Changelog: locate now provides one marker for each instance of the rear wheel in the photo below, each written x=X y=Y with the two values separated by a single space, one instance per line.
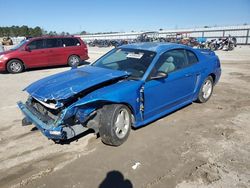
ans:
x=231 y=46
x=115 y=124
x=74 y=61
x=15 y=66
x=212 y=47
x=206 y=90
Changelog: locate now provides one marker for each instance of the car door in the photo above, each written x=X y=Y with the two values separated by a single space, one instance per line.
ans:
x=34 y=54
x=173 y=90
x=55 y=51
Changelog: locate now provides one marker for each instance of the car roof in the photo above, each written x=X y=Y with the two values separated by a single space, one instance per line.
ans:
x=157 y=47
x=49 y=36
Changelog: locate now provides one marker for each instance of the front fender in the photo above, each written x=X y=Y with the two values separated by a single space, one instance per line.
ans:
x=126 y=92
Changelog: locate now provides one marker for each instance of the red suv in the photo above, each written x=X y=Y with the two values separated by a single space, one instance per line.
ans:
x=44 y=52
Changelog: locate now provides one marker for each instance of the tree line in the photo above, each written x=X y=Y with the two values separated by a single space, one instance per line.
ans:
x=15 y=31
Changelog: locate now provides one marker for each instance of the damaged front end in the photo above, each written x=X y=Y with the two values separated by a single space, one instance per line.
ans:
x=52 y=104
x=56 y=123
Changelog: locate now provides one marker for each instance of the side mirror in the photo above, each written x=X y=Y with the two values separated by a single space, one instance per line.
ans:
x=159 y=75
x=27 y=48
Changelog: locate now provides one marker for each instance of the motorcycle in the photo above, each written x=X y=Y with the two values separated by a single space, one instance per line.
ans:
x=229 y=43
x=226 y=44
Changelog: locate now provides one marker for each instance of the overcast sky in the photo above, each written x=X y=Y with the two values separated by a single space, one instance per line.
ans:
x=126 y=15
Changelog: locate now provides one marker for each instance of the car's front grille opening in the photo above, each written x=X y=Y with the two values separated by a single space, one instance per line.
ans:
x=45 y=114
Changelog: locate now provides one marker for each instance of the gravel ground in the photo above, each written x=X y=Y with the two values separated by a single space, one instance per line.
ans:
x=201 y=145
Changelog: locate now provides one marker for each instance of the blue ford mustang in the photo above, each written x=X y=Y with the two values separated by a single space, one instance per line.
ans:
x=129 y=86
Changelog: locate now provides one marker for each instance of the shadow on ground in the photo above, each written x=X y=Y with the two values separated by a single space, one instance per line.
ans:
x=115 y=179
x=76 y=138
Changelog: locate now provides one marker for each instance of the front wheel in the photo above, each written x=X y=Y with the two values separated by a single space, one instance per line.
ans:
x=206 y=90
x=115 y=124
x=15 y=66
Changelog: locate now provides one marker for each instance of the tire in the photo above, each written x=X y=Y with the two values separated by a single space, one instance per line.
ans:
x=206 y=90
x=231 y=46
x=212 y=47
x=109 y=131
x=73 y=61
x=15 y=66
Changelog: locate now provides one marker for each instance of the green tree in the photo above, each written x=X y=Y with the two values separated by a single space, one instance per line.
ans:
x=44 y=32
x=15 y=31
x=37 y=31
x=24 y=31
x=83 y=33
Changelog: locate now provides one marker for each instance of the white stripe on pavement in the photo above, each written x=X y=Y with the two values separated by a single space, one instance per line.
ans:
x=96 y=52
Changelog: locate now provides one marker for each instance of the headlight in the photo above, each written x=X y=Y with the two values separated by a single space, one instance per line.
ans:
x=1 y=56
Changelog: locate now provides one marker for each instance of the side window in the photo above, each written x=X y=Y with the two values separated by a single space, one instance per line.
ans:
x=192 y=58
x=36 y=44
x=70 y=42
x=77 y=43
x=171 y=61
x=53 y=43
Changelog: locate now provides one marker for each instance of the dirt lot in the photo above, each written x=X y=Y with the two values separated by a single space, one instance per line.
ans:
x=201 y=145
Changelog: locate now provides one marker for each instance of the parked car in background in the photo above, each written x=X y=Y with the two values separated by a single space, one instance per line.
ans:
x=131 y=85
x=44 y=52
x=1 y=48
x=7 y=41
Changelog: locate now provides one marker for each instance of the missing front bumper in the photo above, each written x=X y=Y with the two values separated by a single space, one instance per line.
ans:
x=51 y=131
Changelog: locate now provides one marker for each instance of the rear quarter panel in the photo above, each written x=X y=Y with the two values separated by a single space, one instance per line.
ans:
x=209 y=64
x=75 y=50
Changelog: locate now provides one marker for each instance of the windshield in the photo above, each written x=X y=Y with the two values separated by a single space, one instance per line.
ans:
x=132 y=61
x=19 y=45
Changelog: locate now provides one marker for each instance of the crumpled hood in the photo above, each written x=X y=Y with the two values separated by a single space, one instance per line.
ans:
x=66 y=84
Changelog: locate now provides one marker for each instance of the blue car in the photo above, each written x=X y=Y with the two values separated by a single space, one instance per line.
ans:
x=132 y=85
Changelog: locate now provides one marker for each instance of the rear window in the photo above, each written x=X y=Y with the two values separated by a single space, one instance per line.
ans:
x=192 y=58
x=71 y=42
